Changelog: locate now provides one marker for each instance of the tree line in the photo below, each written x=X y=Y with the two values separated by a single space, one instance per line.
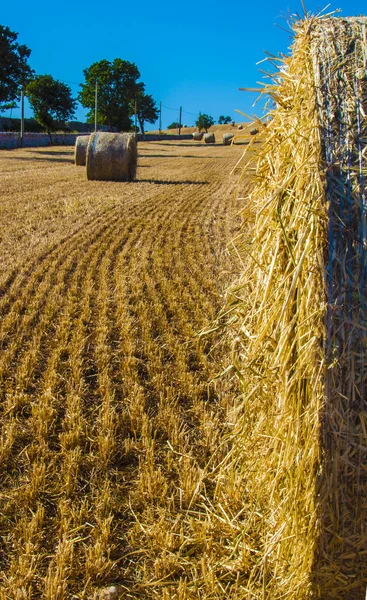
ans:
x=120 y=93
x=203 y=122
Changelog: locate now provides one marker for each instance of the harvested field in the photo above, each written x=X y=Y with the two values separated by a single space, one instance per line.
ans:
x=111 y=431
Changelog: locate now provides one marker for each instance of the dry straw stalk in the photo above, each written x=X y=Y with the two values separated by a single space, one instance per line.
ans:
x=297 y=315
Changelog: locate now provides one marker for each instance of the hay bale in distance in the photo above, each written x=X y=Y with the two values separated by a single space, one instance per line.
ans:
x=209 y=138
x=227 y=138
x=80 y=154
x=254 y=131
x=240 y=127
x=197 y=136
x=112 y=157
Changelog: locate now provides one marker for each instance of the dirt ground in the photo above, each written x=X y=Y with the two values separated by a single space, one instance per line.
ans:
x=110 y=410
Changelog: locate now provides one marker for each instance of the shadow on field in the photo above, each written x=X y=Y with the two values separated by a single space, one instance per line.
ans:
x=177 y=156
x=162 y=182
x=159 y=156
x=54 y=152
x=198 y=144
x=201 y=145
x=38 y=158
x=170 y=156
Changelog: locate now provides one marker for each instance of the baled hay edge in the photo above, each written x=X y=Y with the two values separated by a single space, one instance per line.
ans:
x=80 y=153
x=300 y=437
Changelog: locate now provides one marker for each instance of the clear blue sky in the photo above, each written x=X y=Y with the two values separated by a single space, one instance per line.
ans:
x=194 y=54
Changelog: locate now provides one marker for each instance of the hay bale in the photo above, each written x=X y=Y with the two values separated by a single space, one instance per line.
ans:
x=209 y=138
x=197 y=136
x=112 y=157
x=254 y=131
x=227 y=138
x=80 y=153
x=297 y=319
x=240 y=127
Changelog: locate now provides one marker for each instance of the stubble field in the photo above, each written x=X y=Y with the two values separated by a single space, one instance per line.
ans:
x=113 y=424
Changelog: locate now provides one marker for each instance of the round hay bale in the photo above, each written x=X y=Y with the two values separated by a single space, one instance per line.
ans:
x=112 y=157
x=254 y=131
x=227 y=138
x=197 y=135
x=209 y=138
x=80 y=154
x=240 y=127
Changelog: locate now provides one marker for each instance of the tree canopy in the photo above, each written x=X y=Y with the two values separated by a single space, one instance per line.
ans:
x=14 y=69
x=224 y=120
x=117 y=88
x=51 y=101
x=147 y=109
x=174 y=125
x=204 y=122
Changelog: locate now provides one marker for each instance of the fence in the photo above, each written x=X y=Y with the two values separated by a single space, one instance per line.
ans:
x=13 y=140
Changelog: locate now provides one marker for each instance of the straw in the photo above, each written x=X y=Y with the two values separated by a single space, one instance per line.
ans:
x=297 y=320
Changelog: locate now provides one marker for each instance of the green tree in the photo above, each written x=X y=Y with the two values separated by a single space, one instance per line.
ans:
x=204 y=122
x=117 y=88
x=224 y=120
x=51 y=101
x=14 y=69
x=146 y=109
x=174 y=125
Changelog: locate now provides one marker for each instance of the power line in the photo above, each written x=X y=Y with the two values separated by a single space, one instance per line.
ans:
x=190 y=113
x=73 y=82
x=168 y=108
x=184 y=111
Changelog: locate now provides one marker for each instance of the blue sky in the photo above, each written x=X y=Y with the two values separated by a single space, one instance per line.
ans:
x=194 y=54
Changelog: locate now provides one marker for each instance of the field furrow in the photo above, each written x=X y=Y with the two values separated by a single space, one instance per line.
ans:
x=110 y=425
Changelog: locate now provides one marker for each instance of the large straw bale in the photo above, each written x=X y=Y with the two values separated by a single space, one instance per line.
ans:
x=197 y=136
x=112 y=157
x=209 y=138
x=227 y=138
x=339 y=51
x=297 y=316
x=80 y=153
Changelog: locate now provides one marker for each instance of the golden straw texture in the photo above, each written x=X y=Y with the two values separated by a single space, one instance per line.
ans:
x=339 y=51
x=297 y=317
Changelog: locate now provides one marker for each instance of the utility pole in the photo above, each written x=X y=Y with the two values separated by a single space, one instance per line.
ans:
x=160 y=118
x=22 y=118
x=136 y=115
x=96 y=106
x=179 y=122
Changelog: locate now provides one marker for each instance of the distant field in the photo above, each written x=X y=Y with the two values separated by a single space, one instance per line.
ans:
x=108 y=418
x=219 y=129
